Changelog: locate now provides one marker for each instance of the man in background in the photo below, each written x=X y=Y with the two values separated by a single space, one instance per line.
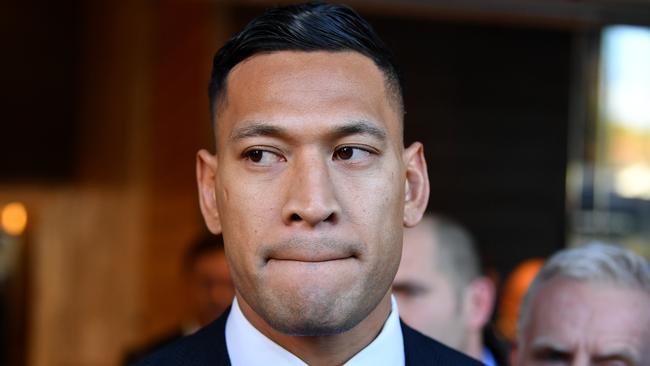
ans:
x=441 y=292
x=588 y=305
x=208 y=291
x=209 y=286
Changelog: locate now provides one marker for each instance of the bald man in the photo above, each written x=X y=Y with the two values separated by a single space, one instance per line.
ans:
x=440 y=290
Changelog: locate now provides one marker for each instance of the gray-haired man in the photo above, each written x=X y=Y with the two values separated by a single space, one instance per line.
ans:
x=587 y=306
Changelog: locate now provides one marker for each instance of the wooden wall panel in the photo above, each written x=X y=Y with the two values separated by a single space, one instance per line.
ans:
x=187 y=35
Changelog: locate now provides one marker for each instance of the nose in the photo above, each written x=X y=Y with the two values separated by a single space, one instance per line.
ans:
x=311 y=195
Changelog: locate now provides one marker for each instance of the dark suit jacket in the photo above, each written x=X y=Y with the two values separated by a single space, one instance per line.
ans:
x=207 y=347
x=496 y=345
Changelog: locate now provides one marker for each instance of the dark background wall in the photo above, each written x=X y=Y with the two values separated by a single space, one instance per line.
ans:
x=491 y=106
x=40 y=86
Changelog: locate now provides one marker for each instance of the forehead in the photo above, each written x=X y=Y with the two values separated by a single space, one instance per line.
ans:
x=293 y=86
x=598 y=317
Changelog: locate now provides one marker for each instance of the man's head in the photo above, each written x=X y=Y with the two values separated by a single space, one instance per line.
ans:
x=308 y=28
x=439 y=286
x=310 y=182
x=588 y=305
x=209 y=283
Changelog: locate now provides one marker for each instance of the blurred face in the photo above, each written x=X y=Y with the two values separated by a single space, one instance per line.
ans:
x=427 y=298
x=212 y=289
x=310 y=184
x=578 y=323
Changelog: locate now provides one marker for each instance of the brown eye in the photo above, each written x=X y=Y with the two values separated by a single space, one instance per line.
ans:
x=261 y=157
x=351 y=153
x=255 y=155
x=344 y=153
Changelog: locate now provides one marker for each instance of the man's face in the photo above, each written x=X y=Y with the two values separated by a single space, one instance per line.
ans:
x=211 y=286
x=578 y=323
x=428 y=299
x=309 y=181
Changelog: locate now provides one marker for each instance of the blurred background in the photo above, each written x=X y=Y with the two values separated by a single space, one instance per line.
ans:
x=535 y=116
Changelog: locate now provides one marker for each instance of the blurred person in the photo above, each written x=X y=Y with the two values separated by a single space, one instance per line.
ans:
x=209 y=286
x=208 y=291
x=441 y=292
x=588 y=305
x=311 y=186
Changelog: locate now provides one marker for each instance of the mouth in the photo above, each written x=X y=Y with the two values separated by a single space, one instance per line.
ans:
x=311 y=251
x=310 y=259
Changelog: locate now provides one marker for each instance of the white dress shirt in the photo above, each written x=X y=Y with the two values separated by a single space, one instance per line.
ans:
x=247 y=346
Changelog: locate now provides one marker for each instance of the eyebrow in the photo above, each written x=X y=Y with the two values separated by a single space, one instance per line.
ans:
x=255 y=129
x=547 y=342
x=410 y=288
x=544 y=347
x=625 y=355
x=360 y=127
x=353 y=127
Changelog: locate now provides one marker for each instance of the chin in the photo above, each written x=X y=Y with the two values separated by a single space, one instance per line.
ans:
x=303 y=326
x=316 y=314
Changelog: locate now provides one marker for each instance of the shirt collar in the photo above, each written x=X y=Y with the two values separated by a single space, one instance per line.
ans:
x=488 y=358
x=242 y=338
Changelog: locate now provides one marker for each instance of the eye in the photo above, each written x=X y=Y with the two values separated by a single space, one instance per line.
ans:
x=262 y=157
x=550 y=356
x=616 y=363
x=409 y=290
x=350 y=153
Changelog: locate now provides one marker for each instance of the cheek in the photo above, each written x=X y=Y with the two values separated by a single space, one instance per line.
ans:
x=245 y=206
x=374 y=199
x=244 y=210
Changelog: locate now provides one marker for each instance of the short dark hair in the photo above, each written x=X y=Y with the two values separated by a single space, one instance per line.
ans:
x=306 y=27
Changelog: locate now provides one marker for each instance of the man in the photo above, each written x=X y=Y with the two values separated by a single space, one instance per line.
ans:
x=208 y=292
x=210 y=288
x=440 y=289
x=311 y=186
x=587 y=306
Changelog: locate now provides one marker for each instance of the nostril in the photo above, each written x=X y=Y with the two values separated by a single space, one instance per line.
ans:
x=330 y=218
x=295 y=217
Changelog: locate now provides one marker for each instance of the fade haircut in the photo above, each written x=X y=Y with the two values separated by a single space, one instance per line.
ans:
x=457 y=254
x=592 y=263
x=306 y=27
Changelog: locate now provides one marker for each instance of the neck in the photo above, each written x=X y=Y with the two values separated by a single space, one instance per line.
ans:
x=474 y=344
x=325 y=350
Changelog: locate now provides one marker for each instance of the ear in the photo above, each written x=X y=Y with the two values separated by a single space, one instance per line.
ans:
x=206 y=176
x=480 y=302
x=416 y=190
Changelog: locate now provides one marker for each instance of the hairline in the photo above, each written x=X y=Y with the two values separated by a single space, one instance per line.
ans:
x=631 y=272
x=445 y=255
x=392 y=89
x=448 y=254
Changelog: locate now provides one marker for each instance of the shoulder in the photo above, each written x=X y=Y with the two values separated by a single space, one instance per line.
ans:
x=422 y=350
x=205 y=347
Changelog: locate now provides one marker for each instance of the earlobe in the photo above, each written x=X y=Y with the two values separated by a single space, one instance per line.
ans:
x=206 y=175
x=416 y=189
x=481 y=299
